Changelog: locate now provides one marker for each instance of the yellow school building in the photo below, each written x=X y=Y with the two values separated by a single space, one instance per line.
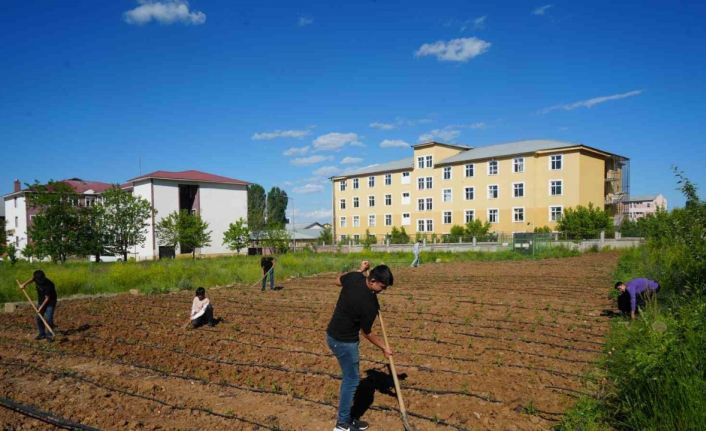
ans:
x=516 y=186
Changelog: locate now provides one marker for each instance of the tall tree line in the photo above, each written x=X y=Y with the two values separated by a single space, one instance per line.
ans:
x=266 y=210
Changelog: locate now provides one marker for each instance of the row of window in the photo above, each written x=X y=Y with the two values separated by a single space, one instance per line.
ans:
x=556 y=188
x=492 y=215
x=556 y=163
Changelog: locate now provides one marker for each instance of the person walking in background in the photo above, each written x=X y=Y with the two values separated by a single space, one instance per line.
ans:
x=638 y=290
x=355 y=312
x=46 y=302
x=416 y=249
x=267 y=263
x=201 y=310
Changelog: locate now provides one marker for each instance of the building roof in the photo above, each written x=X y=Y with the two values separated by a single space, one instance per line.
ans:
x=81 y=186
x=397 y=165
x=508 y=149
x=642 y=198
x=429 y=143
x=190 y=175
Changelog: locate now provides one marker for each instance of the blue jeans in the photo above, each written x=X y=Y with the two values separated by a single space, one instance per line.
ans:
x=415 y=262
x=48 y=316
x=272 y=280
x=348 y=358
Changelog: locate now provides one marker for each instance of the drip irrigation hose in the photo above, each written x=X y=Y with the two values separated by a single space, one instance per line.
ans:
x=46 y=417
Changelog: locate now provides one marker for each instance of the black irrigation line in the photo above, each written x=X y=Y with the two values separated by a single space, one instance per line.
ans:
x=251 y=389
x=569 y=391
x=79 y=377
x=558 y=346
x=558 y=358
x=501 y=304
x=46 y=417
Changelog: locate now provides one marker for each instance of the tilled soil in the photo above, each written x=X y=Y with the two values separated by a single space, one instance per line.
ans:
x=478 y=345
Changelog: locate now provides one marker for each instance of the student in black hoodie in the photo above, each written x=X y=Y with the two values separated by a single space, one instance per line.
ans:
x=46 y=301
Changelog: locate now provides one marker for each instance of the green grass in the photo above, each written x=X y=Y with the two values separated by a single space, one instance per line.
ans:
x=159 y=276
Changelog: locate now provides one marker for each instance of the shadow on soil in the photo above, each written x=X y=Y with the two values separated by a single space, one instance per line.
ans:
x=375 y=380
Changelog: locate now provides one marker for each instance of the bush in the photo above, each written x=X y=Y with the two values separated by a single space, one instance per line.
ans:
x=585 y=222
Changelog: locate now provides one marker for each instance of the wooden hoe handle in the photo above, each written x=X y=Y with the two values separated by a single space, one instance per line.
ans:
x=35 y=308
x=398 y=392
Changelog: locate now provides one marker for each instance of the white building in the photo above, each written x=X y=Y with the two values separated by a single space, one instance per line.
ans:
x=219 y=200
x=640 y=206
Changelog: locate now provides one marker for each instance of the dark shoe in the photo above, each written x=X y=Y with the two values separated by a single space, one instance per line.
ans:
x=359 y=425
x=50 y=339
x=40 y=337
x=342 y=427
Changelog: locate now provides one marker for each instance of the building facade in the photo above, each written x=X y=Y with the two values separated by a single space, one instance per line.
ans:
x=641 y=206
x=517 y=187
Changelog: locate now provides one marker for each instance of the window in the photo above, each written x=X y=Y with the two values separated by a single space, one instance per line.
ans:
x=493 y=216
x=493 y=191
x=430 y=225
x=356 y=221
x=447 y=217
x=447 y=172
x=518 y=190
x=388 y=179
x=15 y=201
x=355 y=183
x=371 y=220
x=555 y=187
x=420 y=204
x=420 y=225
x=356 y=202
x=406 y=219
x=469 y=170
x=356 y=239
x=555 y=162
x=388 y=219
x=405 y=177
x=493 y=167
x=371 y=201
x=428 y=204
x=555 y=213
x=420 y=183
x=470 y=193
x=344 y=237
x=17 y=222
x=428 y=181
x=427 y=159
x=343 y=185
x=371 y=181
x=420 y=162
x=469 y=215
x=405 y=198
x=343 y=222
x=343 y=204
x=518 y=164
x=388 y=200
x=518 y=215
x=446 y=195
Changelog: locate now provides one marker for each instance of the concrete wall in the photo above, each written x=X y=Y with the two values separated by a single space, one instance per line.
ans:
x=16 y=218
x=221 y=205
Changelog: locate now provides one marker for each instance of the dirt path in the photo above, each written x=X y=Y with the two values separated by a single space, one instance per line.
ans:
x=481 y=345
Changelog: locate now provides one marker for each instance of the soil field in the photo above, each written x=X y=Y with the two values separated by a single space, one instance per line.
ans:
x=478 y=345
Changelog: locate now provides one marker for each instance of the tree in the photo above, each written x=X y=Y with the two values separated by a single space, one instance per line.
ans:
x=124 y=218
x=478 y=229
x=54 y=229
x=90 y=237
x=543 y=229
x=276 y=239
x=11 y=253
x=256 y=207
x=237 y=236
x=455 y=233
x=398 y=236
x=183 y=228
x=326 y=235
x=369 y=239
x=3 y=237
x=277 y=207
x=585 y=222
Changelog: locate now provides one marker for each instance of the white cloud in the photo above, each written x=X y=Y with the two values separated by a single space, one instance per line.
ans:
x=322 y=213
x=589 y=103
x=462 y=49
x=296 y=151
x=327 y=171
x=478 y=125
x=541 y=10
x=383 y=126
x=163 y=12
x=351 y=160
x=443 y=135
x=479 y=23
x=309 y=188
x=336 y=141
x=304 y=21
x=311 y=160
x=391 y=143
x=262 y=136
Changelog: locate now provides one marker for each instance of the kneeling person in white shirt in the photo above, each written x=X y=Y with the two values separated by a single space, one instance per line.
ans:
x=201 y=310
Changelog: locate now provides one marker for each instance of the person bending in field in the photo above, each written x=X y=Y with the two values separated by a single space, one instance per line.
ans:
x=46 y=302
x=637 y=290
x=354 y=314
x=201 y=310
x=267 y=263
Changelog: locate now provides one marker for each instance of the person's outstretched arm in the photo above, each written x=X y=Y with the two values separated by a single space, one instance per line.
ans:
x=378 y=342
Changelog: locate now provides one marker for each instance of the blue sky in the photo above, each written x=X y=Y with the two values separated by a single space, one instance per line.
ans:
x=286 y=93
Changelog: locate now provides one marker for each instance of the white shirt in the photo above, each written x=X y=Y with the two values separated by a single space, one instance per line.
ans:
x=416 y=248
x=198 y=307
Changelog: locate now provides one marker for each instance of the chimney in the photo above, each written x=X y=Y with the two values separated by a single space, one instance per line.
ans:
x=17 y=185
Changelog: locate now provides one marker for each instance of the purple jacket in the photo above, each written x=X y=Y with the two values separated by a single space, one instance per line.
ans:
x=636 y=286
